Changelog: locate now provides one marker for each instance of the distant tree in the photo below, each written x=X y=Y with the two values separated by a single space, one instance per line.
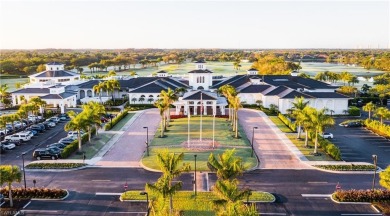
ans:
x=369 y=107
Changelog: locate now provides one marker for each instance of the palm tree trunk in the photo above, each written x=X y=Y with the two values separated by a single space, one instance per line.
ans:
x=79 y=138
x=97 y=128
x=89 y=133
x=236 y=124
x=316 y=143
x=169 y=116
x=299 y=131
x=170 y=205
x=307 y=138
x=369 y=114
x=232 y=123
x=11 y=202
x=162 y=126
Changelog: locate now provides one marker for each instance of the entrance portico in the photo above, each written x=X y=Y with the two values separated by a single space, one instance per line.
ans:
x=195 y=102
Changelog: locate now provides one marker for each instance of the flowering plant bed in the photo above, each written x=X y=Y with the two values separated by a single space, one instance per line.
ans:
x=37 y=193
x=361 y=195
x=55 y=165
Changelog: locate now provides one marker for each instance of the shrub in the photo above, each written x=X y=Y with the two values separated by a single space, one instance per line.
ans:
x=352 y=167
x=115 y=120
x=287 y=122
x=54 y=165
x=362 y=195
x=353 y=111
x=376 y=127
x=21 y=193
x=72 y=147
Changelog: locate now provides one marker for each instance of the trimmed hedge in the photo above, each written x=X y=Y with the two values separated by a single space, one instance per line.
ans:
x=376 y=127
x=43 y=193
x=353 y=111
x=115 y=120
x=361 y=195
x=74 y=146
x=352 y=167
x=287 y=122
x=55 y=165
x=331 y=149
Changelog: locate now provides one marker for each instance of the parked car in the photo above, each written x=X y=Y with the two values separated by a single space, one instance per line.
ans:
x=67 y=140
x=51 y=124
x=32 y=118
x=353 y=124
x=19 y=137
x=1 y=199
x=29 y=133
x=327 y=135
x=43 y=153
x=63 y=117
x=75 y=133
x=34 y=132
x=54 y=119
x=2 y=149
x=45 y=125
x=19 y=124
x=59 y=145
x=103 y=119
x=39 y=128
x=55 y=149
x=8 y=145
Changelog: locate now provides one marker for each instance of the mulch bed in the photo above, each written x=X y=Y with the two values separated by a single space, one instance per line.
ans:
x=5 y=209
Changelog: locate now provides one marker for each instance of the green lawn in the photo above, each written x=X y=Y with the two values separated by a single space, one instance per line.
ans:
x=308 y=152
x=199 y=205
x=201 y=159
x=122 y=122
x=178 y=132
x=93 y=147
x=276 y=120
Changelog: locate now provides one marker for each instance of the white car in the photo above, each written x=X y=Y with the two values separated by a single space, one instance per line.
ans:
x=19 y=124
x=8 y=145
x=19 y=137
x=327 y=135
x=75 y=133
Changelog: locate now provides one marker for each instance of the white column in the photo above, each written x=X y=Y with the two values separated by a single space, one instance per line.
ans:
x=195 y=108
x=186 y=109
x=14 y=100
x=205 y=108
x=177 y=109
x=62 y=106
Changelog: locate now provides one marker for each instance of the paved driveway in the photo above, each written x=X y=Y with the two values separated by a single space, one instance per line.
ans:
x=274 y=149
x=129 y=148
x=359 y=144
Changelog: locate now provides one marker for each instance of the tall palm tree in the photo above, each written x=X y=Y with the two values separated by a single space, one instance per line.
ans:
x=304 y=119
x=111 y=85
x=226 y=165
x=297 y=106
x=169 y=165
x=320 y=120
x=10 y=174
x=3 y=92
x=93 y=111
x=382 y=113
x=236 y=104
x=162 y=106
x=98 y=88
x=228 y=91
x=77 y=123
x=169 y=97
x=230 y=197
x=369 y=107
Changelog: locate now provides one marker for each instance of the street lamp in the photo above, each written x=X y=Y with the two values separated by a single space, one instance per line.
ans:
x=253 y=135
x=147 y=143
x=24 y=172
x=147 y=201
x=195 y=175
x=375 y=158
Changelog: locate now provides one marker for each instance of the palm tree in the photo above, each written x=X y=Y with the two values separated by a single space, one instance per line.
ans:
x=228 y=91
x=111 y=85
x=169 y=165
x=320 y=120
x=98 y=89
x=303 y=118
x=37 y=104
x=93 y=111
x=385 y=178
x=227 y=165
x=162 y=106
x=259 y=103
x=134 y=100
x=10 y=174
x=297 y=106
x=169 y=97
x=77 y=123
x=382 y=113
x=111 y=73
x=230 y=197
x=3 y=92
x=236 y=104
x=369 y=107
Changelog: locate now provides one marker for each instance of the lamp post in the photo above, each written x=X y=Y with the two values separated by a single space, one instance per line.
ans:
x=195 y=175
x=147 y=201
x=253 y=135
x=147 y=142
x=375 y=159
x=24 y=172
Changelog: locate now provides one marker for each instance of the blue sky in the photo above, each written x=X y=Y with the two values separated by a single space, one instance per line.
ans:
x=194 y=24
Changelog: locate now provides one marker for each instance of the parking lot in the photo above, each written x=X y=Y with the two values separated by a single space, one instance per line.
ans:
x=40 y=140
x=358 y=144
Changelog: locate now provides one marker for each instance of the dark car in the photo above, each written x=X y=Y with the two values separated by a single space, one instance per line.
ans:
x=66 y=140
x=353 y=124
x=59 y=145
x=38 y=128
x=43 y=153
x=34 y=132
x=55 y=149
x=103 y=119
x=63 y=117
x=46 y=125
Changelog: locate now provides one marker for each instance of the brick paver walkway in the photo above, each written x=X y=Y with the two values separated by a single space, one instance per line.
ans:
x=273 y=148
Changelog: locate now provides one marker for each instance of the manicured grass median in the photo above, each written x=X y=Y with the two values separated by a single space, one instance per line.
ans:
x=276 y=120
x=308 y=152
x=200 y=205
x=122 y=122
x=201 y=159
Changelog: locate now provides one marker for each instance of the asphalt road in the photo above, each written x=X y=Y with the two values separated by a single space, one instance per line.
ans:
x=49 y=136
x=359 y=144
x=95 y=191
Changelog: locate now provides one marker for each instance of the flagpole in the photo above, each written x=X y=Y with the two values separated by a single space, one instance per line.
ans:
x=201 y=106
x=189 y=116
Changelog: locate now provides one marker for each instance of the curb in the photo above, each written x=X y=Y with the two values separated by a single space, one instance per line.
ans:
x=57 y=170
x=42 y=199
